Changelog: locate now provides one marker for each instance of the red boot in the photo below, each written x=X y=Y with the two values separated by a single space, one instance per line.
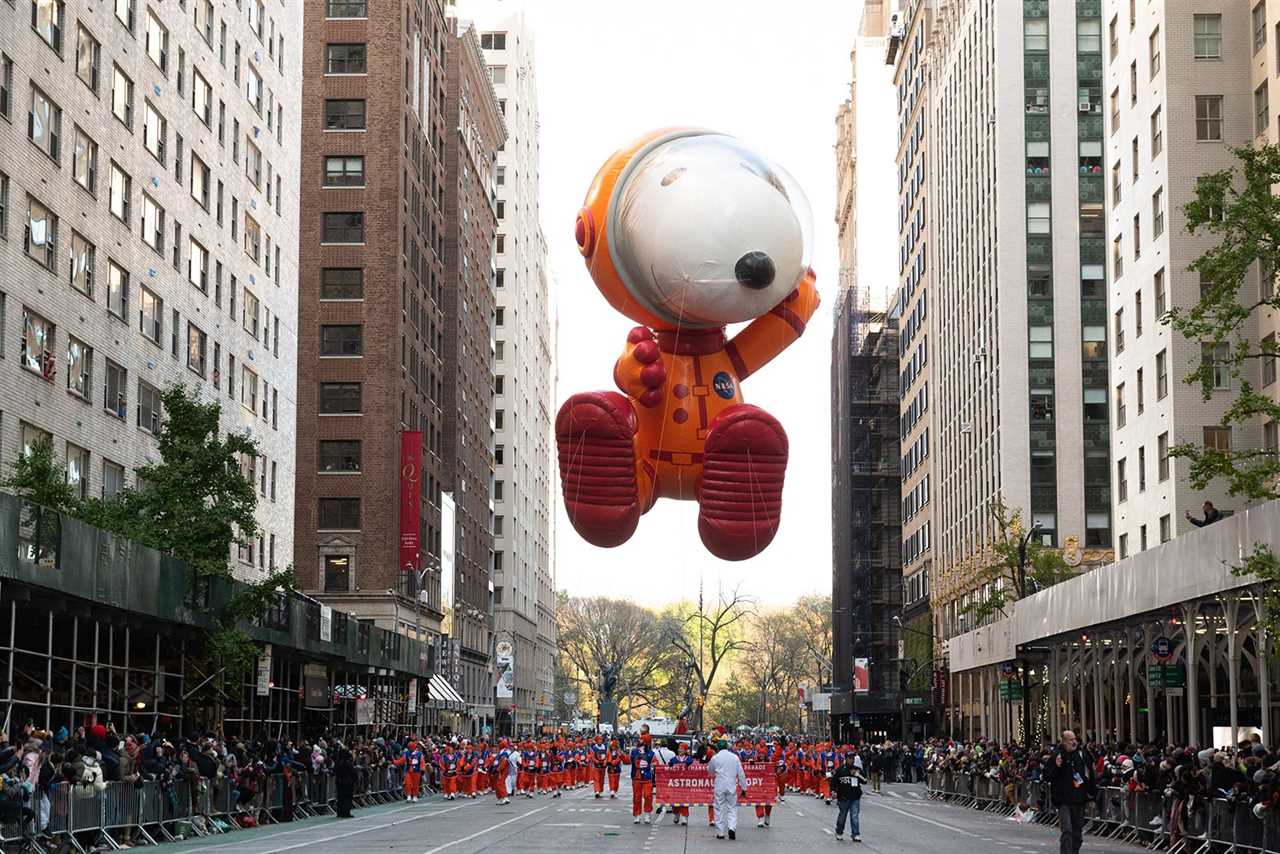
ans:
x=595 y=436
x=740 y=491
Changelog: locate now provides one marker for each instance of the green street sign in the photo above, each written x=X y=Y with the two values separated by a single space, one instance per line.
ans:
x=1166 y=676
x=1010 y=690
x=915 y=701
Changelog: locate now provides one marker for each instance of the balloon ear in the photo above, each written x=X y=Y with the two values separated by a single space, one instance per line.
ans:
x=584 y=231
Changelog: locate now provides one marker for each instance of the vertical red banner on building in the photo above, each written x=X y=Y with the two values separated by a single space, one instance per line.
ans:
x=410 y=496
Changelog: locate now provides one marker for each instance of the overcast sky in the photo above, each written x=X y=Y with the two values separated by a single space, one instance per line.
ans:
x=772 y=74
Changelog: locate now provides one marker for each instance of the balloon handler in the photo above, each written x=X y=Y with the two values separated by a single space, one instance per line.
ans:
x=686 y=231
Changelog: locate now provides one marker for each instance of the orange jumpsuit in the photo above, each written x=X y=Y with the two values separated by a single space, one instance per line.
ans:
x=613 y=764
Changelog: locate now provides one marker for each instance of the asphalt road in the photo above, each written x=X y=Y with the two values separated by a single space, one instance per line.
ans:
x=899 y=821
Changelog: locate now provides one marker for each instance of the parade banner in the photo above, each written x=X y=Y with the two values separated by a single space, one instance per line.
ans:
x=691 y=785
x=410 y=498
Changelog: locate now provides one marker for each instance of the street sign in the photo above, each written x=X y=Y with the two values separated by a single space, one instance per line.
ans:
x=1162 y=649
x=1166 y=676
x=1010 y=689
x=915 y=701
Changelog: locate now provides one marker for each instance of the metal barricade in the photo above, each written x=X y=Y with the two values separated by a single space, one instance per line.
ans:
x=1196 y=825
x=1244 y=830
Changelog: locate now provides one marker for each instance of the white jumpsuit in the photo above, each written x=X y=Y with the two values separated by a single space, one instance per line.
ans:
x=726 y=770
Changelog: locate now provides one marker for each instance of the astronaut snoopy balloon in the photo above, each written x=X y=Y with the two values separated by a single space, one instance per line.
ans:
x=685 y=232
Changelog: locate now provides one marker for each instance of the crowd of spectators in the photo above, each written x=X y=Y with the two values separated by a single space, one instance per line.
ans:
x=1185 y=778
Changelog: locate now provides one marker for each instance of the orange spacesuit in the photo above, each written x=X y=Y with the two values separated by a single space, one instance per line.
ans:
x=664 y=259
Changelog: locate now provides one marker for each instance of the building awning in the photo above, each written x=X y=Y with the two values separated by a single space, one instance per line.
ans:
x=441 y=693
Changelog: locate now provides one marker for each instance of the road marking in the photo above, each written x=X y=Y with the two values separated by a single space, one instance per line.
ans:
x=477 y=833
x=349 y=833
x=827 y=831
x=799 y=813
x=894 y=795
x=931 y=821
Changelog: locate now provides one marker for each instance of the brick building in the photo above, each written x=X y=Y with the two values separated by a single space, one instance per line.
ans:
x=370 y=304
x=148 y=233
x=471 y=219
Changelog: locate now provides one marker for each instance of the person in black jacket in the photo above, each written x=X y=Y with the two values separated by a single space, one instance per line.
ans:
x=846 y=785
x=1070 y=776
x=344 y=780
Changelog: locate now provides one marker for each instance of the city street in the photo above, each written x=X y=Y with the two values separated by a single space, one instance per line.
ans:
x=897 y=822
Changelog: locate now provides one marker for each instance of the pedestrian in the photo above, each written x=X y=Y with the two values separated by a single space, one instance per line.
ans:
x=344 y=781
x=846 y=784
x=726 y=771
x=641 y=761
x=1072 y=784
x=1211 y=514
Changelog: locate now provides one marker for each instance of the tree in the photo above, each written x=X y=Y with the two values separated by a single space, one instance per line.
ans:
x=813 y=614
x=706 y=639
x=37 y=477
x=1012 y=565
x=599 y=634
x=775 y=663
x=1238 y=207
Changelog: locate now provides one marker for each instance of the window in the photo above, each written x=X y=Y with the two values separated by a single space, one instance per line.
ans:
x=498 y=74
x=117 y=290
x=1260 y=115
x=500 y=179
x=1037 y=218
x=148 y=407
x=1259 y=25
x=1209 y=118
x=1271 y=437
x=341 y=283
x=1115 y=184
x=1157 y=132
x=152 y=223
x=341 y=340
x=1040 y=340
x=340 y=398
x=1122 y=481
x=339 y=514
x=120 y=192
x=346 y=9
x=1117 y=257
x=1153 y=52
x=84 y=160
x=197 y=344
x=1269 y=361
x=1137 y=236
x=1157 y=213
x=1217 y=438
x=1113 y=37
x=1141 y=390
x=1137 y=314
x=82 y=256
x=1124 y=544
x=1162 y=375
x=337 y=568
x=115 y=396
x=38 y=341
x=1217 y=357
x=1120 y=406
x=344 y=59
x=339 y=456
x=77 y=472
x=44 y=123
x=346 y=227
x=200 y=180
x=493 y=41
x=157 y=42
x=122 y=97
x=343 y=114
x=202 y=17
x=502 y=209
x=42 y=234
x=150 y=315
x=1115 y=109
x=1133 y=82
x=112 y=479
x=198 y=266
x=1166 y=528
x=1161 y=298
x=1119 y=331
x=1133 y=158
x=252 y=237
x=202 y=98
x=1142 y=469
x=79 y=368
x=249 y=389
x=1208 y=36
x=1035 y=34
x=253 y=88
x=46 y=20
x=124 y=13
x=154 y=131
x=88 y=51
x=344 y=171
x=250 y=320
x=252 y=162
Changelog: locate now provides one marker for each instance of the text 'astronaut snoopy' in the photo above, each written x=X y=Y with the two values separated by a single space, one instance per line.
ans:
x=684 y=232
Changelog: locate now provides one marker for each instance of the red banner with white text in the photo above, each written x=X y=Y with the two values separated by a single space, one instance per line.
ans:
x=692 y=785
x=410 y=497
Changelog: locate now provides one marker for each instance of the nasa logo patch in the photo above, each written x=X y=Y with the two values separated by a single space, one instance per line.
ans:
x=723 y=384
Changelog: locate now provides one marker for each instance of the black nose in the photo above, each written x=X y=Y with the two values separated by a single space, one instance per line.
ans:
x=755 y=270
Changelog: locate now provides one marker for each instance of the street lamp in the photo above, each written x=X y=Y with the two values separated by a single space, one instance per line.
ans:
x=1026 y=666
